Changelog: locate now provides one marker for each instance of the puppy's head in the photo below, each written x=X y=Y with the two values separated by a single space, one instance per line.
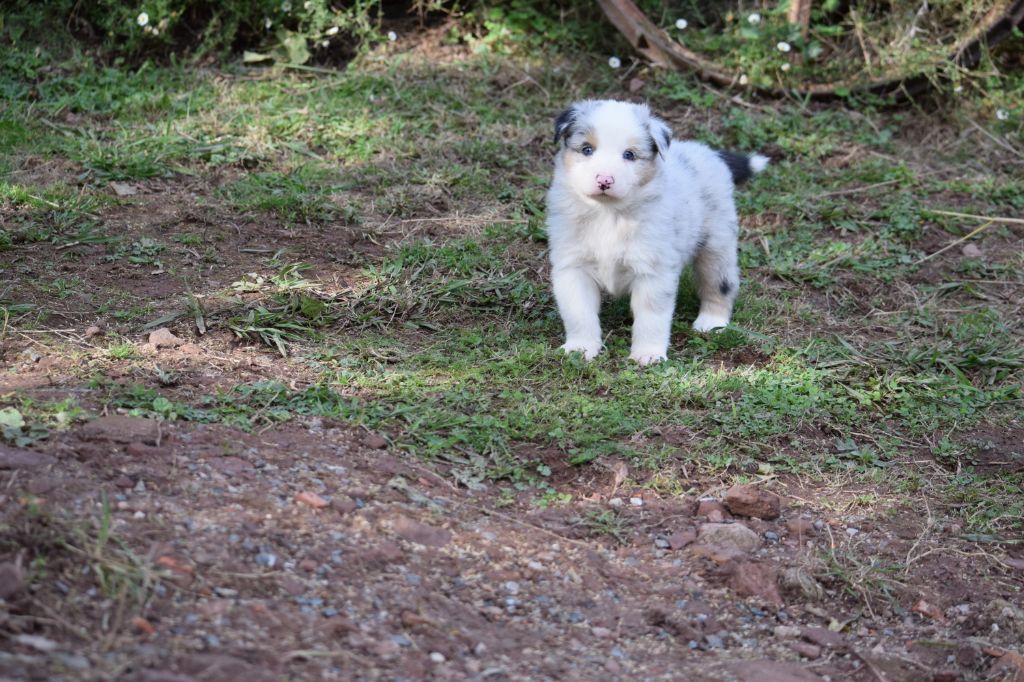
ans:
x=610 y=150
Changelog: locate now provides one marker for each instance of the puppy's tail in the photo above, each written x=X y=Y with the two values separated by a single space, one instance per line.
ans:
x=743 y=166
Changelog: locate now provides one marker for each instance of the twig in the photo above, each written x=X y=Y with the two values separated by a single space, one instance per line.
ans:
x=958 y=241
x=994 y=219
x=1002 y=143
x=856 y=190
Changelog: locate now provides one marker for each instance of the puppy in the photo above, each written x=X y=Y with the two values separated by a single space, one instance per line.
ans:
x=628 y=209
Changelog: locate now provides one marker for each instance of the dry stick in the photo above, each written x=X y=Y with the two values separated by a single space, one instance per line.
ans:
x=958 y=241
x=1002 y=143
x=995 y=219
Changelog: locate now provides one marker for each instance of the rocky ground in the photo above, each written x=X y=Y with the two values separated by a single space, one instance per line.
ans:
x=163 y=552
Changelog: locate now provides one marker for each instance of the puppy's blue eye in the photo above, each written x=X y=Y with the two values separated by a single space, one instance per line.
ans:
x=628 y=155
x=586 y=150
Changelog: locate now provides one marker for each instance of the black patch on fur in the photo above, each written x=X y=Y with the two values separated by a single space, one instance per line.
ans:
x=725 y=287
x=563 y=124
x=739 y=166
x=701 y=243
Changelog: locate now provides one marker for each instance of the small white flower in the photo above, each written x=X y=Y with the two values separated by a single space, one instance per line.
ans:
x=142 y=19
x=267 y=23
x=286 y=6
x=156 y=31
x=958 y=89
x=681 y=24
x=147 y=29
x=783 y=46
x=785 y=66
x=1002 y=114
x=307 y=5
x=614 y=62
x=392 y=36
x=754 y=18
x=325 y=43
x=331 y=31
x=743 y=79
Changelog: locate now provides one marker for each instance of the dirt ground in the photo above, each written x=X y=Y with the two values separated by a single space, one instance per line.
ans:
x=313 y=550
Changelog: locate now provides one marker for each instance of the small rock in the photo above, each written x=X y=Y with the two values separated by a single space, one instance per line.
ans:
x=712 y=510
x=786 y=631
x=636 y=501
x=826 y=639
x=971 y=251
x=35 y=642
x=714 y=642
x=343 y=504
x=163 y=338
x=682 y=538
x=772 y=671
x=123 y=189
x=852 y=531
x=806 y=649
x=375 y=441
x=600 y=632
x=512 y=587
x=311 y=499
x=771 y=536
x=801 y=527
x=636 y=85
x=122 y=429
x=751 y=579
x=929 y=610
x=16 y=458
x=308 y=565
x=729 y=535
x=421 y=533
x=749 y=500
x=661 y=543
x=946 y=676
x=92 y=331
x=615 y=502
x=1009 y=666
x=73 y=661
x=266 y=559
x=437 y=657
x=225 y=592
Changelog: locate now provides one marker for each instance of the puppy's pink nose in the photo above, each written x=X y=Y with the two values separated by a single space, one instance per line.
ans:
x=605 y=181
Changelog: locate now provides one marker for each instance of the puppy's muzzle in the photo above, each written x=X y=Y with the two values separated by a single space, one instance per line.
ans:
x=605 y=182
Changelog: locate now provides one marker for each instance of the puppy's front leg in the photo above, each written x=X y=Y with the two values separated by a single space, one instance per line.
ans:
x=653 y=302
x=579 y=302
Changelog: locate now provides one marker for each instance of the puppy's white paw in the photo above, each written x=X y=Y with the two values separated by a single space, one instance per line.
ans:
x=590 y=349
x=707 y=323
x=647 y=357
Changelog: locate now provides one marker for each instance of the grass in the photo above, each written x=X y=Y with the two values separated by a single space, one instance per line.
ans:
x=848 y=358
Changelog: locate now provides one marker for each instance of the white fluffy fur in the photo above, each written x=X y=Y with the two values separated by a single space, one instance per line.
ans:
x=669 y=206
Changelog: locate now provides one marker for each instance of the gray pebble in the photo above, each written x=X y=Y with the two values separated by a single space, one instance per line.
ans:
x=73 y=661
x=714 y=641
x=771 y=536
x=401 y=640
x=819 y=524
x=330 y=612
x=212 y=641
x=661 y=543
x=266 y=559
x=512 y=587
x=692 y=644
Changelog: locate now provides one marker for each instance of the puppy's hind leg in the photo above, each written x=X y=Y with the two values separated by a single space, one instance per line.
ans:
x=717 y=276
x=579 y=303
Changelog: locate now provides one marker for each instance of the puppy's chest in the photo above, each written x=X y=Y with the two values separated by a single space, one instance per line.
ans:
x=615 y=259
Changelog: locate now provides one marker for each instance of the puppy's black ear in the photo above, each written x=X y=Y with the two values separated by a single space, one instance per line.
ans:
x=661 y=135
x=563 y=124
